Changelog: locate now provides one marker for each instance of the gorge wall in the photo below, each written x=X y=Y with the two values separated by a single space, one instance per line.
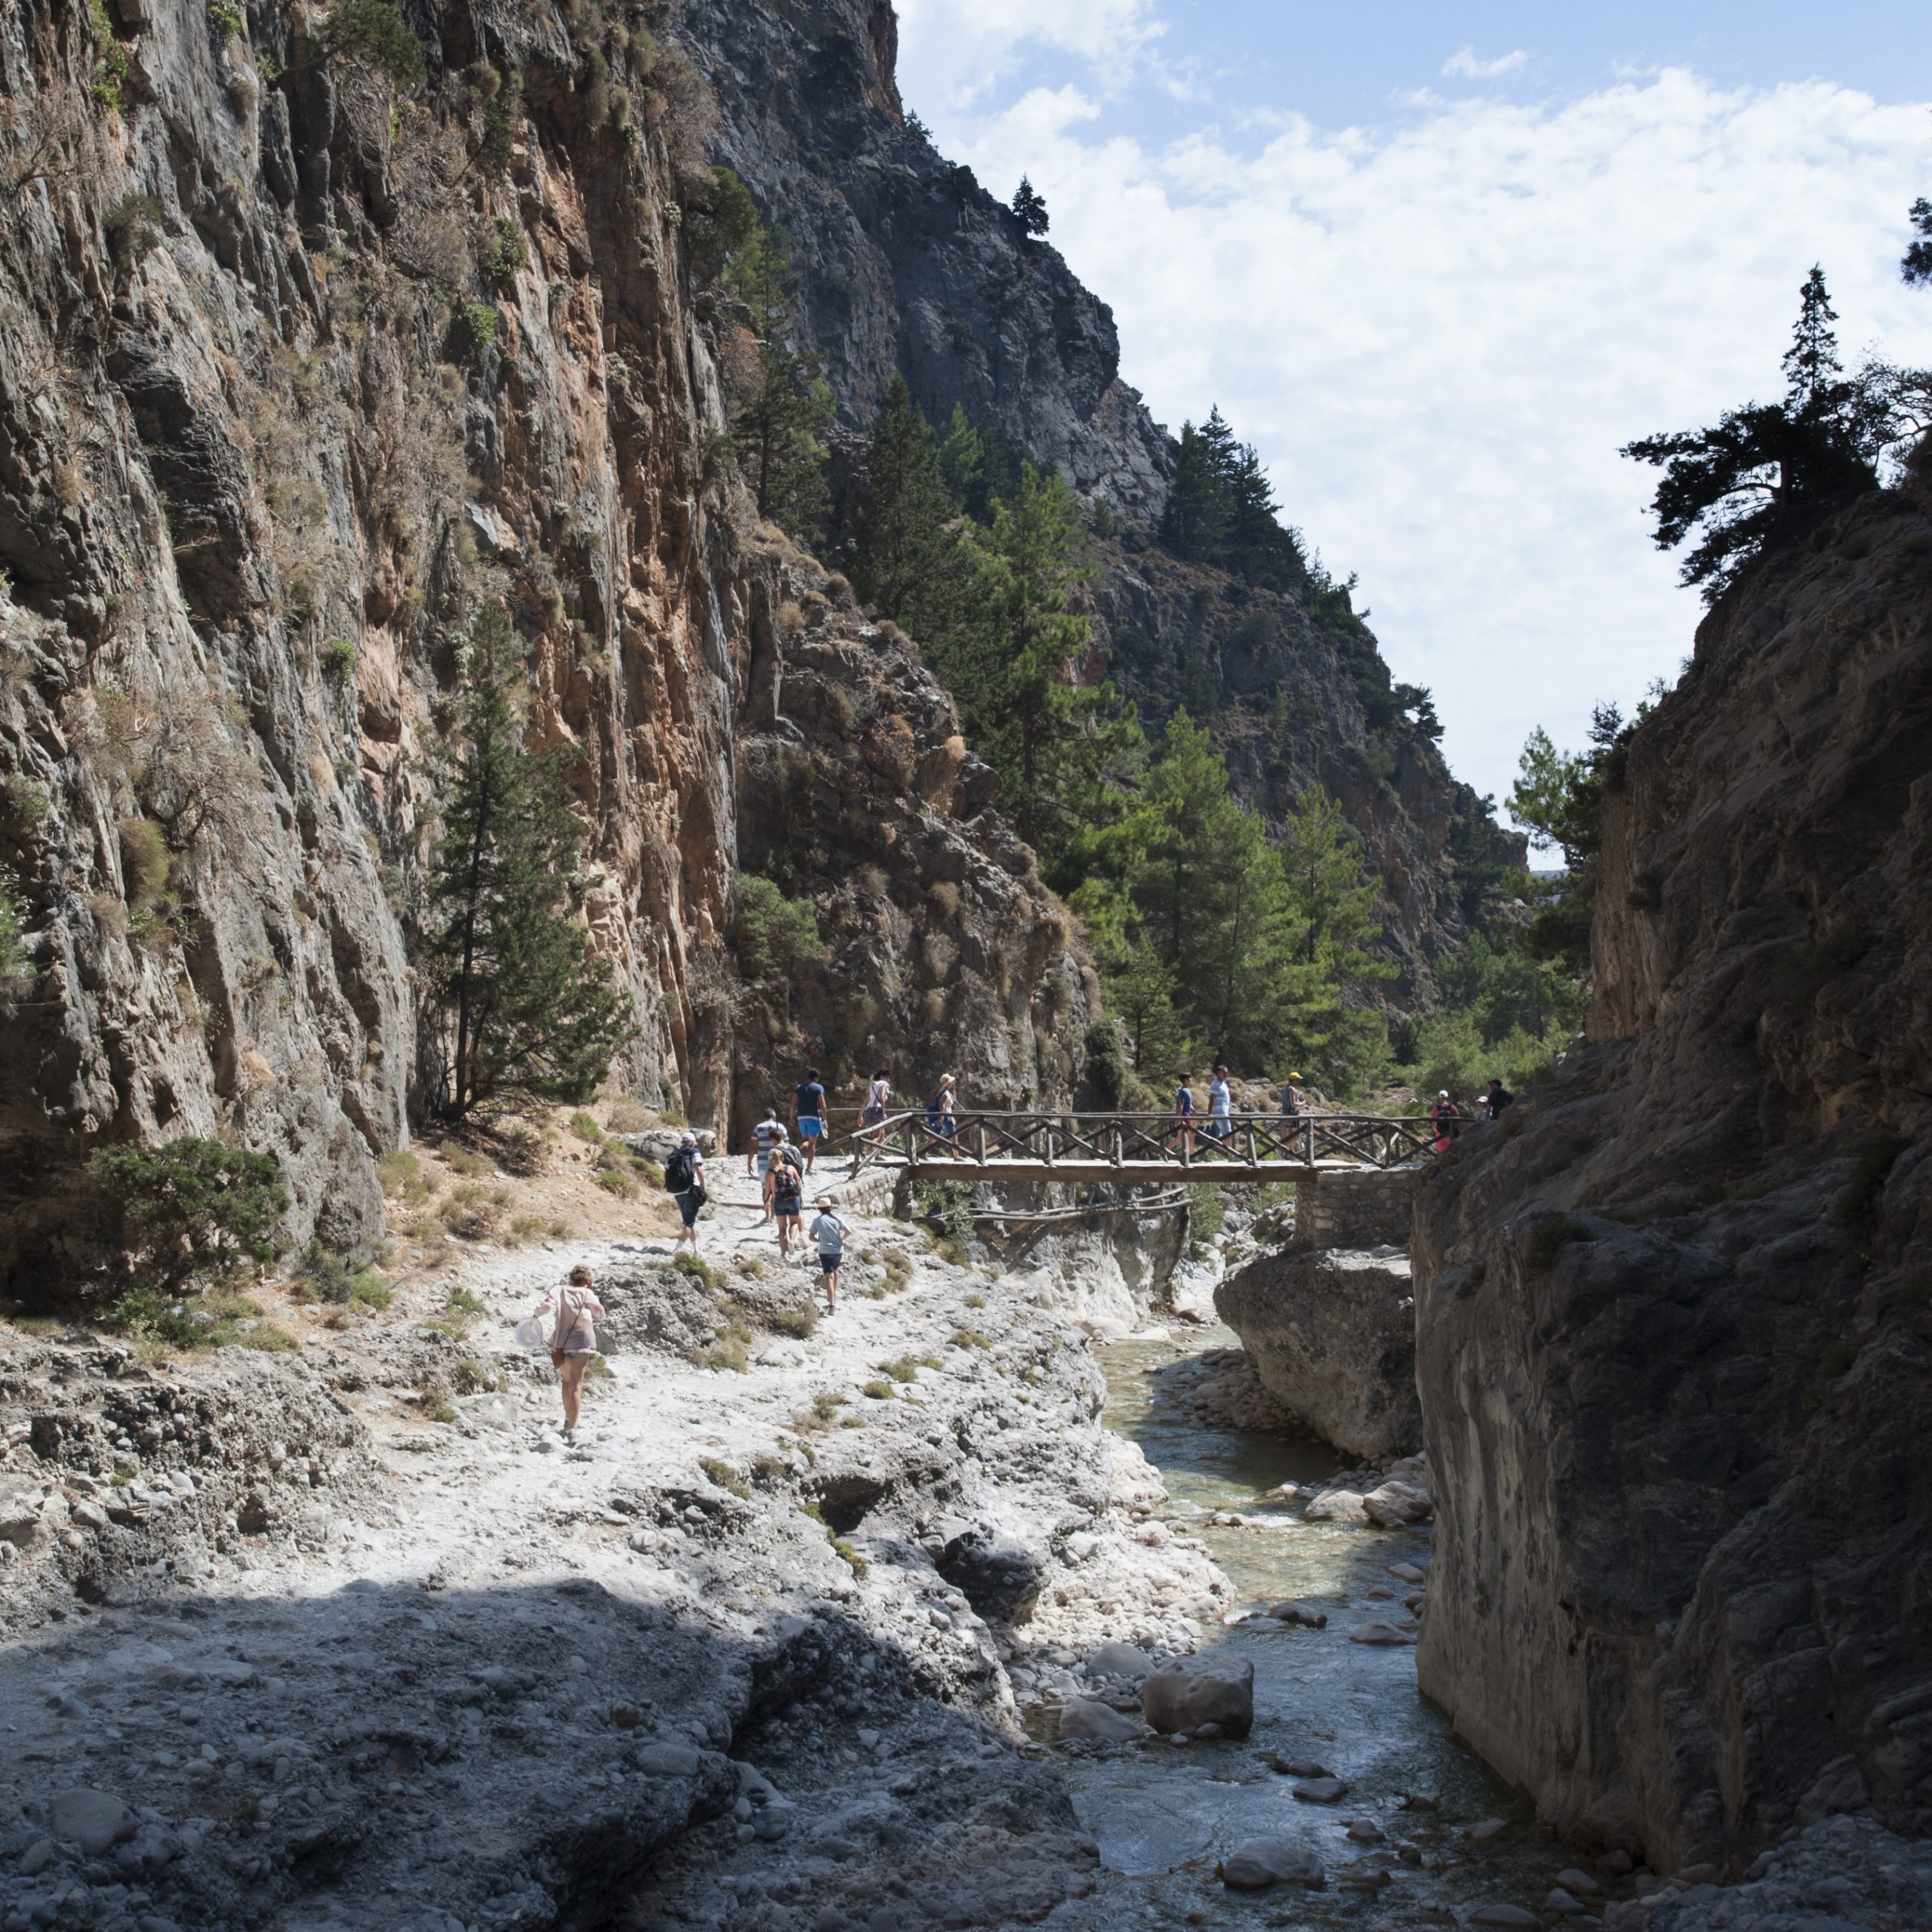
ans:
x=293 y=373
x=906 y=265
x=1674 y=1313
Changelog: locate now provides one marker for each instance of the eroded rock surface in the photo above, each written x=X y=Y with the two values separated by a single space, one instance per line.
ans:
x=1674 y=1329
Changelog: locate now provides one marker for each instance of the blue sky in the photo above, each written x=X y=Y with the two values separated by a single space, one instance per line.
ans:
x=1440 y=263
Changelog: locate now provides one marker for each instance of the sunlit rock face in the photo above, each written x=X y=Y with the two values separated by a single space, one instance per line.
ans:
x=1672 y=1313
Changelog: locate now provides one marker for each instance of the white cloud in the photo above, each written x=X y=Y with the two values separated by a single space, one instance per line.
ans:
x=1439 y=333
x=1462 y=65
x=962 y=48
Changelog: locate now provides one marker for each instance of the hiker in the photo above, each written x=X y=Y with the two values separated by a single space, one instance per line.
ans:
x=684 y=1178
x=808 y=1111
x=573 y=1338
x=1183 y=1126
x=1447 y=1119
x=1294 y=1107
x=1492 y=1103
x=878 y=1098
x=765 y=1136
x=940 y=1122
x=786 y=1182
x=829 y=1232
x=1220 y=1119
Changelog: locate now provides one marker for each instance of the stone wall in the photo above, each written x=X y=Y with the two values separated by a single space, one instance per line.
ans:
x=1371 y=1207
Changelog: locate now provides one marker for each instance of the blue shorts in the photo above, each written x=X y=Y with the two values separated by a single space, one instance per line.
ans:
x=811 y=1127
x=829 y=1262
x=1219 y=1125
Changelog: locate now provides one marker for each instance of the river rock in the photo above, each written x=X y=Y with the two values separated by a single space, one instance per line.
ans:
x=1580 y=1883
x=1484 y=1832
x=1291 y=1610
x=1119 y=1661
x=1262 y=1862
x=95 y=1820
x=1000 y=1575
x=1559 y=1900
x=1331 y=1332
x=1509 y=1917
x=1210 y=1689
x=1375 y=1630
x=1337 y=1505
x=668 y=1760
x=1321 y=1790
x=1085 y=1719
x=1397 y=1505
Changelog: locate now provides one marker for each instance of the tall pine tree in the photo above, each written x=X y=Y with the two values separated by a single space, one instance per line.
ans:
x=518 y=1003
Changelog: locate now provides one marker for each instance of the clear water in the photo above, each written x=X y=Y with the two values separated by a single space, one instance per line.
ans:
x=1164 y=1815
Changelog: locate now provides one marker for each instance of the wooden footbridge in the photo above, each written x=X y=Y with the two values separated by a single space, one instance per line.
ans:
x=1133 y=1147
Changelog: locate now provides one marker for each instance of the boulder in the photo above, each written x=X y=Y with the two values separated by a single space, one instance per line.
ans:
x=1262 y=1862
x=1119 y=1661
x=1397 y=1505
x=1292 y=1609
x=1331 y=1332
x=95 y=1820
x=1085 y=1720
x=1213 y=1689
x=1336 y=1506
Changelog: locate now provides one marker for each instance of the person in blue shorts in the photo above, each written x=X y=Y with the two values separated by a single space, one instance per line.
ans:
x=1184 y=1116
x=808 y=1110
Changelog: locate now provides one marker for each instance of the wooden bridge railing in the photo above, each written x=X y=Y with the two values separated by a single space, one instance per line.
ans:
x=1238 y=1143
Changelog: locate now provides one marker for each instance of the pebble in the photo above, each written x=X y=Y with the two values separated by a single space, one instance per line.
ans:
x=668 y=1760
x=1119 y=1661
x=1700 y=1874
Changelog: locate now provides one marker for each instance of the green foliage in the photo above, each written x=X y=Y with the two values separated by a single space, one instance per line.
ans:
x=110 y=60
x=1917 y=265
x=586 y=1128
x=1548 y=1233
x=775 y=937
x=1768 y=471
x=499 y=116
x=338 y=659
x=1221 y=510
x=133 y=229
x=724 y=221
x=516 y=999
x=15 y=962
x=1106 y=1067
x=1207 y=1213
x=699 y=1269
x=504 y=251
x=373 y=33
x=1030 y=206
x=724 y=1476
x=192 y=1210
x=479 y=322
x=227 y=18
x=946 y=1207
x=145 y=863
x=327 y=1275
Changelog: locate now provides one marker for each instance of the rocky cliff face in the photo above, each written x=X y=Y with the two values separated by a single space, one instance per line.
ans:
x=293 y=373
x=906 y=265
x=1673 y=1322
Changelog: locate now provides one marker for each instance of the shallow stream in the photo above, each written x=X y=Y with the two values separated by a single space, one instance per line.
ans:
x=1163 y=1815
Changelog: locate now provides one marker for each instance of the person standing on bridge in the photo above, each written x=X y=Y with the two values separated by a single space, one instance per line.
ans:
x=940 y=1123
x=878 y=1098
x=1220 y=1117
x=808 y=1110
x=1183 y=1126
x=1447 y=1119
x=1490 y=1106
x=1293 y=1109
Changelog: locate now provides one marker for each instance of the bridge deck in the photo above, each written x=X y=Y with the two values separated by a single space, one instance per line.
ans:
x=941 y=1166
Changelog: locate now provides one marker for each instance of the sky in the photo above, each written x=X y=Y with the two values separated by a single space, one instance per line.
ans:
x=1439 y=264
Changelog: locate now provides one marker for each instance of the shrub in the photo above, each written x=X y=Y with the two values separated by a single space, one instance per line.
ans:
x=724 y=1476
x=503 y=252
x=402 y=1177
x=472 y=1377
x=826 y=1403
x=624 y=1115
x=133 y=229
x=879 y=1390
x=776 y=936
x=461 y=1160
x=328 y=1276
x=1549 y=1233
x=369 y=1290
x=699 y=1269
x=480 y=322
x=976 y=1301
x=966 y=1338
x=338 y=659
x=110 y=59
x=144 y=862
x=434 y=1396
x=617 y=1181
x=586 y=1128
x=1106 y=1066
x=798 y=1323
x=192 y=1210
x=860 y=1567
x=373 y=32
x=227 y=20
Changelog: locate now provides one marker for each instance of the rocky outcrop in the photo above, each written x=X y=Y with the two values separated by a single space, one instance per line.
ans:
x=906 y=265
x=293 y=374
x=1672 y=1310
x=1331 y=1332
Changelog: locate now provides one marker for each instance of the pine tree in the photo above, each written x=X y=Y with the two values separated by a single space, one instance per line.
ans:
x=1917 y=266
x=782 y=407
x=1195 y=523
x=1141 y=995
x=901 y=527
x=1332 y=896
x=518 y=1002
x=1811 y=365
x=1029 y=206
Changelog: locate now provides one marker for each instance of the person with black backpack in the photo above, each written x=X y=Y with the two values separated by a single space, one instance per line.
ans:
x=788 y=1188
x=684 y=1179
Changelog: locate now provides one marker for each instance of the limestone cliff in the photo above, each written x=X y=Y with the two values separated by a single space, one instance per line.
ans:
x=1673 y=1324
x=293 y=370
x=905 y=264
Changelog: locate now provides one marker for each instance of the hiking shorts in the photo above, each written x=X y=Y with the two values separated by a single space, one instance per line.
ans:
x=1219 y=1126
x=873 y=1115
x=830 y=1260
x=811 y=1127
x=688 y=1204
x=787 y=1206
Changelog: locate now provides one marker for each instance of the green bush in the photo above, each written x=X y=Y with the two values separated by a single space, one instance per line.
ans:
x=227 y=18
x=724 y=1476
x=328 y=1276
x=192 y=1210
x=1106 y=1066
x=776 y=936
x=373 y=32
x=145 y=862
x=504 y=252
x=699 y=1269
x=480 y=324
x=338 y=659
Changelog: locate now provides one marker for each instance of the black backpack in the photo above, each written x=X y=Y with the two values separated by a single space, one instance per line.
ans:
x=680 y=1171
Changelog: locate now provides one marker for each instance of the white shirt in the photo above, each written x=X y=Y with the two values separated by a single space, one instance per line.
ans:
x=1217 y=1096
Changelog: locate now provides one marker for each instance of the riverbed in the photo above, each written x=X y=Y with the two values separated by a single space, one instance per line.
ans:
x=1164 y=1816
